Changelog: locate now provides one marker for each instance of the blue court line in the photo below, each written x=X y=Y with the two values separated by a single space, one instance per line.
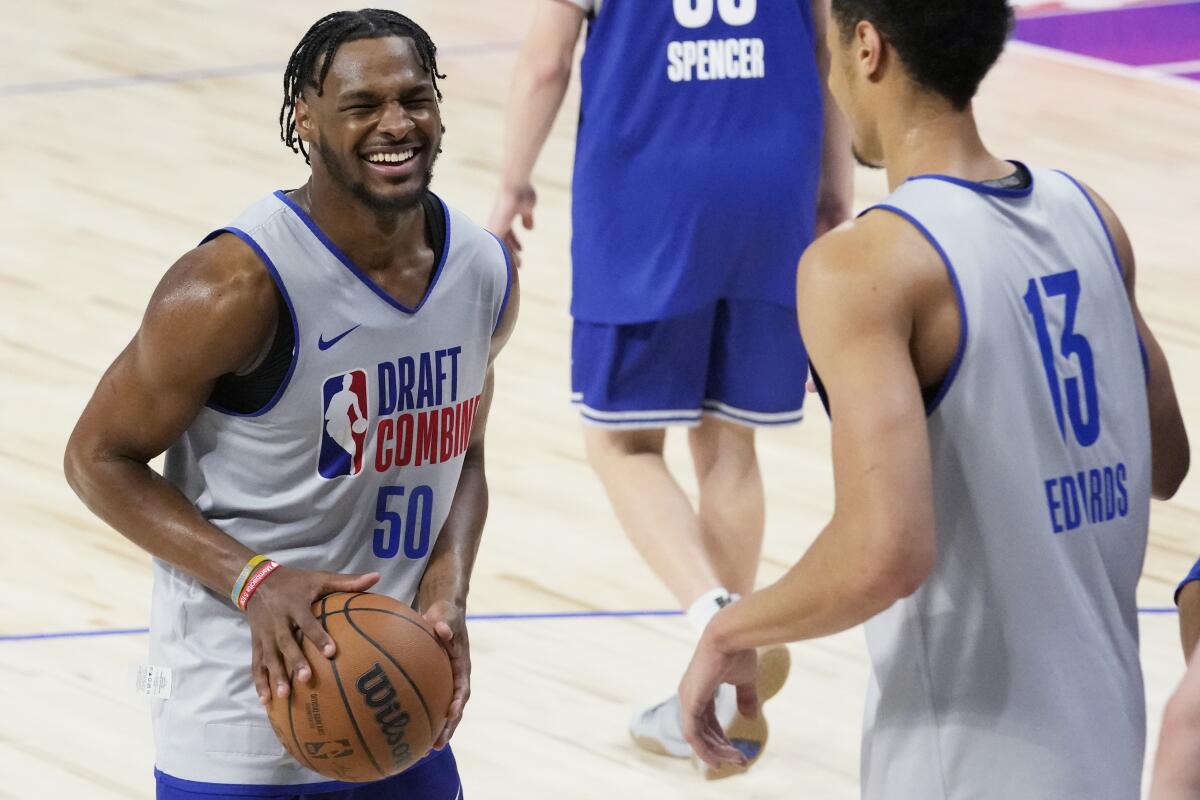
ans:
x=642 y=613
x=26 y=637
x=208 y=73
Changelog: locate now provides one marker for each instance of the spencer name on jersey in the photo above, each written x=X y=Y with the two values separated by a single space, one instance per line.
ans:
x=715 y=59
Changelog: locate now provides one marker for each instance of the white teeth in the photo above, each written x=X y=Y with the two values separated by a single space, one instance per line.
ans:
x=390 y=158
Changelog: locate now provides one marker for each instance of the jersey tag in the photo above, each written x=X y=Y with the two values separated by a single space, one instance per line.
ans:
x=153 y=681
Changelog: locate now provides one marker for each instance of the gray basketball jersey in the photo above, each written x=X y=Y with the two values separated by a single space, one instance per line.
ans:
x=1013 y=671
x=351 y=467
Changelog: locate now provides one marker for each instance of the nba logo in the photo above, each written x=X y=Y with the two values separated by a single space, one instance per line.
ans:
x=344 y=424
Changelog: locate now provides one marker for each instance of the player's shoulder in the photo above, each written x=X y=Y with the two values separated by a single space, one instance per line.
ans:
x=224 y=270
x=876 y=251
x=219 y=291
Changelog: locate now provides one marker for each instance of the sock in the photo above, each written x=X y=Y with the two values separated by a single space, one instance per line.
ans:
x=706 y=606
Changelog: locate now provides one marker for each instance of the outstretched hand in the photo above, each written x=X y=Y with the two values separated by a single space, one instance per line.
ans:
x=450 y=624
x=279 y=613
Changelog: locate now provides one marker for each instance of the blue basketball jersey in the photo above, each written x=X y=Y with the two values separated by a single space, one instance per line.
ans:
x=698 y=156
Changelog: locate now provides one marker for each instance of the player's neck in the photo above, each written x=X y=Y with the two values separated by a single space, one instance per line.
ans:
x=938 y=140
x=372 y=239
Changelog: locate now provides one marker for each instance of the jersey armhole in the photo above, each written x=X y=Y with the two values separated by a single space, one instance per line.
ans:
x=287 y=299
x=508 y=280
x=938 y=394
x=1112 y=245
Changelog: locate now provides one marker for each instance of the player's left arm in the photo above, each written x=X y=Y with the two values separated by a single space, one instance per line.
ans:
x=880 y=544
x=442 y=596
x=835 y=191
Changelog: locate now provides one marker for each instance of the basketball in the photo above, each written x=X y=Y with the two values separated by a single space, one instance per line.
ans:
x=376 y=707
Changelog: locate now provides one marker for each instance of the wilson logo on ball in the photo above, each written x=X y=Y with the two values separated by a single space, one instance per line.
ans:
x=379 y=694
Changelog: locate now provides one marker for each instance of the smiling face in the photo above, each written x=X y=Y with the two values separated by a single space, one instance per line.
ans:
x=376 y=127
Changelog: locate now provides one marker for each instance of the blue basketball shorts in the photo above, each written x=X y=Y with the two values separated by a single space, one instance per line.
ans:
x=435 y=777
x=737 y=360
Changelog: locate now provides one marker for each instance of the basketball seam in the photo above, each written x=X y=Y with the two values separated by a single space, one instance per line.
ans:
x=345 y=701
x=420 y=698
x=416 y=625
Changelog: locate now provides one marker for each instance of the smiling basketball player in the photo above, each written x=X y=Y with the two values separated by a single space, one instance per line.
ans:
x=319 y=374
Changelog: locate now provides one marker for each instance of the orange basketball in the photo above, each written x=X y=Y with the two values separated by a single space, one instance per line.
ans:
x=376 y=707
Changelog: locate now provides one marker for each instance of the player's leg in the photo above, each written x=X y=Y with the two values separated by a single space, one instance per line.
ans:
x=731 y=511
x=631 y=381
x=652 y=508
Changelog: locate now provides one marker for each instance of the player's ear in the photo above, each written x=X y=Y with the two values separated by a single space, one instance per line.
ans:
x=305 y=128
x=868 y=48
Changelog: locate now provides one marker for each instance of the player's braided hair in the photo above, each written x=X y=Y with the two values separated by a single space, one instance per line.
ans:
x=322 y=41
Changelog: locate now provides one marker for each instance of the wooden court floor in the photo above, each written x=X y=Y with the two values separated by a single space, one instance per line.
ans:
x=129 y=129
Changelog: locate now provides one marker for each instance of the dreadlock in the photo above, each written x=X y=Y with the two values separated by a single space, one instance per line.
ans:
x=322 y=41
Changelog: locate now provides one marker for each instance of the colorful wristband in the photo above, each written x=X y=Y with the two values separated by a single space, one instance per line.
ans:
x=251 y=565
x=254 y=581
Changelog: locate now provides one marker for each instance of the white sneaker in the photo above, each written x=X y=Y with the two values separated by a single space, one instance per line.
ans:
x=659 y=729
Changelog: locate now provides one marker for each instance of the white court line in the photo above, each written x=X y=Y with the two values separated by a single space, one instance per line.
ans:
x=1098 y=8
x=1112 y=68
x=1175 y=68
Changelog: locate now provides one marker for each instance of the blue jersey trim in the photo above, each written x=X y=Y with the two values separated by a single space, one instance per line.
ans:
x=981 y=188
x=275 y=790
x=1112 y=243
x=952 y=372
x=508 y=276
x=1194 y=575
x=287 y=299
x=358 y=273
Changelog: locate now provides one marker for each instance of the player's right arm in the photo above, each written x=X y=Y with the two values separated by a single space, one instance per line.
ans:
x=540 y=82
x=210 y=315
x=1170 y=452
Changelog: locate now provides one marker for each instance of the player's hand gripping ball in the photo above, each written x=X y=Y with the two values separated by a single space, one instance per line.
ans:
x=377 y=706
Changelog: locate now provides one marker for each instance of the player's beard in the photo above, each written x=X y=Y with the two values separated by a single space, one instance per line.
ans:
x=392 y=204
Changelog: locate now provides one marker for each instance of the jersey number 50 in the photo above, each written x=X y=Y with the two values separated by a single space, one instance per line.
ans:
x=1082 y=408
x=412 y=530
x=698 y=13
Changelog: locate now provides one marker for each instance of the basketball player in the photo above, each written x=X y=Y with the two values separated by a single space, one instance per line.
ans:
x=706 y=159
x=997 y=433
x=358 y=293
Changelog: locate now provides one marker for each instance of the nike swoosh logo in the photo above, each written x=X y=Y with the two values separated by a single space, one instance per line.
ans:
x=325 y=345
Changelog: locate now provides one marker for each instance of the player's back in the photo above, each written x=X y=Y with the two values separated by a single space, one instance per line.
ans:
x=1013 y=671
x=699 y=144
